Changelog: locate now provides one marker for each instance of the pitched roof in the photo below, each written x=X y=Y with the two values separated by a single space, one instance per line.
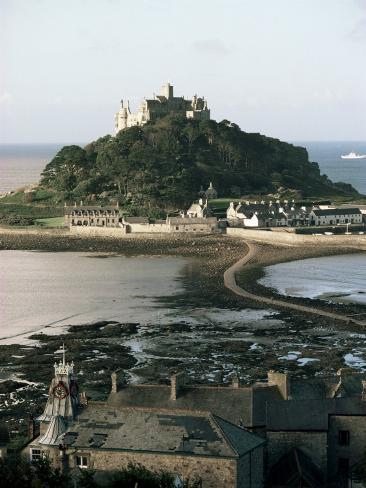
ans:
x=91 y=207
x=234 y=404
x=246 y=406
x=241 y=440
x=310 y=415
x=55 y=429
x=158 y=430
x=336 y=211
x=192 y=220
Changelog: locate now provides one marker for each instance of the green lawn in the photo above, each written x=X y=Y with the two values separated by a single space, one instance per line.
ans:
x=52 y=222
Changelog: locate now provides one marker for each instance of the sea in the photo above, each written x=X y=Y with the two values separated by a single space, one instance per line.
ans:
x=22 y=164
x=330 y=278
x=328 y=156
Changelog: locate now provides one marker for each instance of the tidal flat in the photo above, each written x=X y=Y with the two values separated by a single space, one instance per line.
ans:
x=197 y=325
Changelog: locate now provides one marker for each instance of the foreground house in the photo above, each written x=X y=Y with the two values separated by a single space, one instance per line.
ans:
x=189 y=442
x=277 y=433
x=315 y=429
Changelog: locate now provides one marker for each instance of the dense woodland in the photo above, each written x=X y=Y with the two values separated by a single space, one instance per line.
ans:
x=164 y=164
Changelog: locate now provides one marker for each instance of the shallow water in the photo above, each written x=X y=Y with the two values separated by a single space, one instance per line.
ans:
x=331 y=278
x=45 y=289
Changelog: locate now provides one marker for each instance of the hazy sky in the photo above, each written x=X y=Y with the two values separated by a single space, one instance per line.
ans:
x=293 y=69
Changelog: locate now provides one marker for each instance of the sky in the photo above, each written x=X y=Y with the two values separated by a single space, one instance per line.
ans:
x=291 y=69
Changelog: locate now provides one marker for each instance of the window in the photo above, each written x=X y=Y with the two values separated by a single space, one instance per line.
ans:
x=343 y=437
x=35 y=454
x=81 y=462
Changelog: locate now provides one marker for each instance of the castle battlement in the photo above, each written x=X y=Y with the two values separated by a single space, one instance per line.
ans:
x=159 y=106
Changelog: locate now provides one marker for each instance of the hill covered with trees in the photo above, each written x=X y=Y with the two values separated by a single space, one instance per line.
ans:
x=164 y=164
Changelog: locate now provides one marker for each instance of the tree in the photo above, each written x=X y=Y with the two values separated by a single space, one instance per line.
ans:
x=136 y=474
x=163 y=164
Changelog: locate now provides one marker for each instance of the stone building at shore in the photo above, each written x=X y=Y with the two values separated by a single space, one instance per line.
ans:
x=159 y=106
x=98 y=220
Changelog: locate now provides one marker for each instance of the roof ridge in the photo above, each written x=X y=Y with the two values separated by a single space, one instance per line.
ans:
x=238 y=428
x=215 y=418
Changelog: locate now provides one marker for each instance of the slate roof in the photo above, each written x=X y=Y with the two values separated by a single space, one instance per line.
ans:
x=336 y=211
x=91 y=208
x=310 y=415
x=246 y=406
x=192 y=220
x=158 y=430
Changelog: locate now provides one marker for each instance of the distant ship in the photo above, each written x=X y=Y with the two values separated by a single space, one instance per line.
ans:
x=353 y=155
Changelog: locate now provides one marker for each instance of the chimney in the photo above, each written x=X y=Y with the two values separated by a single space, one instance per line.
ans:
x=282 y=381
x=114 y=378
x=33 y=430
x=235 y=381
x=177 y=382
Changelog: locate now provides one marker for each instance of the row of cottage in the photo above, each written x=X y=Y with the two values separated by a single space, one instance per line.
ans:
x=288 y=214
x=199 y=217
x=275 y=433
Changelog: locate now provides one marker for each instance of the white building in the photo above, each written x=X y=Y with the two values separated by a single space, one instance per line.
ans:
x=334 y=216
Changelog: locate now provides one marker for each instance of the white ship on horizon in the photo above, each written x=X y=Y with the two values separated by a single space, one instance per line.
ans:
x=353 y=155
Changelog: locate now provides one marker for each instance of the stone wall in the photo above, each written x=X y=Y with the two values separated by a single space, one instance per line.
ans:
x=215 y=472
x=90 y=231
x=289 y=238
x=147 y=228
x=313 y=444
x=355 y=451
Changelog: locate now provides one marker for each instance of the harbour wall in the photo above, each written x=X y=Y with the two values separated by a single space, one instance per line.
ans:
x=282 y=237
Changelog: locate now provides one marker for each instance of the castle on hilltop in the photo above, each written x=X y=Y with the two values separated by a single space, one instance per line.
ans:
x=159 y=106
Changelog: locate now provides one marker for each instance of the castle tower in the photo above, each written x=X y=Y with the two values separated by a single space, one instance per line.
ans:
x=121 y=117
x=63 y=395
x=166 y=91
